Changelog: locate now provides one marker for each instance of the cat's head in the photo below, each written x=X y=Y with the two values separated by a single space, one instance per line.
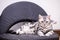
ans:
x=44 y=20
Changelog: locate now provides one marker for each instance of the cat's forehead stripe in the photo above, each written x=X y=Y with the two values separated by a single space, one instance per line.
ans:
x=44 y=18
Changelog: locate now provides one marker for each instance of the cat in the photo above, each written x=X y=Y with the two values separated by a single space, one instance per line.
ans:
x=44 y=26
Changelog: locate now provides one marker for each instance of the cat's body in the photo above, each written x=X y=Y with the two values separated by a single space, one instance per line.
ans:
x=43 y=27
x=26 y=29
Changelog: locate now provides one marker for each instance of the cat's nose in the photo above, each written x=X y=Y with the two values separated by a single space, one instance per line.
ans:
x=44 y=24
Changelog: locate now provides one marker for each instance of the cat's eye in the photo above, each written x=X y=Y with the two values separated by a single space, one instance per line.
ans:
x=46 y=21
x=42 y=21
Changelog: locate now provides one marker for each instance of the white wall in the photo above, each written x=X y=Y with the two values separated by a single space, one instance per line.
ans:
x=52 y=7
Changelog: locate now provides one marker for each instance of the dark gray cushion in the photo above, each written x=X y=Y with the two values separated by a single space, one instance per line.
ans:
x=18 y=11
x=28 y=37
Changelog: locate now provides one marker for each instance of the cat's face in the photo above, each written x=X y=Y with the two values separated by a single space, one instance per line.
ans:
x=44 y=20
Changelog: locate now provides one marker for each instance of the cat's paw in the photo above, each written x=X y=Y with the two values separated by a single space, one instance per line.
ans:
x=49 y=33
x=40 y=33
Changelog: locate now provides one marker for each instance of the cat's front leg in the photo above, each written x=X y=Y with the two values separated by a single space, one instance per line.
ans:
x=49 y=33
x=40 y=33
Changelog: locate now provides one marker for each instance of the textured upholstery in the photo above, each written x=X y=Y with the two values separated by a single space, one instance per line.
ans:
x=28 y=37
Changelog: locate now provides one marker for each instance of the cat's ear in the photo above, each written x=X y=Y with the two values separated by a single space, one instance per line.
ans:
x=40 y=16
x=54 y=22
x=48 y=16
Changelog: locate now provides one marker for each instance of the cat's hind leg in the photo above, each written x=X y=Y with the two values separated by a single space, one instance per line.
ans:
x=19 y=31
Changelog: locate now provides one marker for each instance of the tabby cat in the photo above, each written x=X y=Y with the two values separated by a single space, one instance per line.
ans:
x=43 y=27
